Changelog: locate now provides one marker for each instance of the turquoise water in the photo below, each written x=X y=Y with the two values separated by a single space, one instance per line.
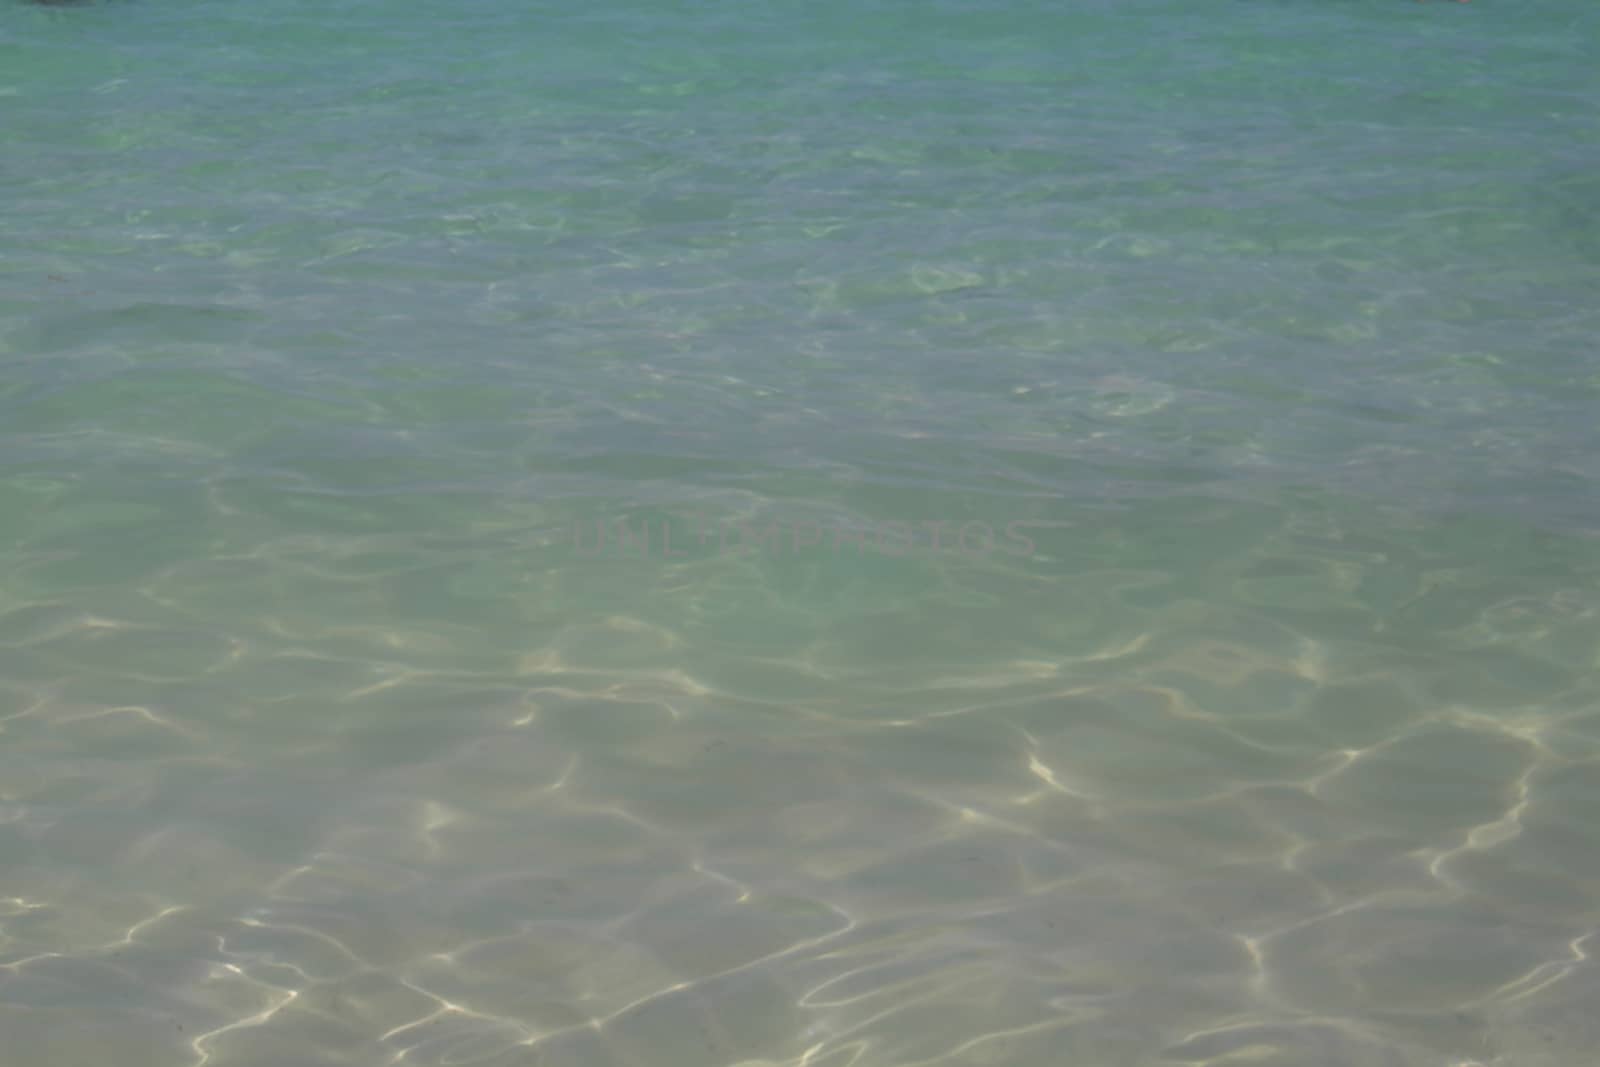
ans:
x=825 y=535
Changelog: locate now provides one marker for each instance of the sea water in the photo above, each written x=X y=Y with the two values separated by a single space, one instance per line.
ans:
x=842 y=534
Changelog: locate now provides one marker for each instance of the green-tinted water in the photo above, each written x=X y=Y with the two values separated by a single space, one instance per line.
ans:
x=835 y=534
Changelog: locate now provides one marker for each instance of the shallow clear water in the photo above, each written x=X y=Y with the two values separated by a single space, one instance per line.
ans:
x=813 y=534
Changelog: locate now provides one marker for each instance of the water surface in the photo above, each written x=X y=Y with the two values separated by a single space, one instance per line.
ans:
x=827 y=535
